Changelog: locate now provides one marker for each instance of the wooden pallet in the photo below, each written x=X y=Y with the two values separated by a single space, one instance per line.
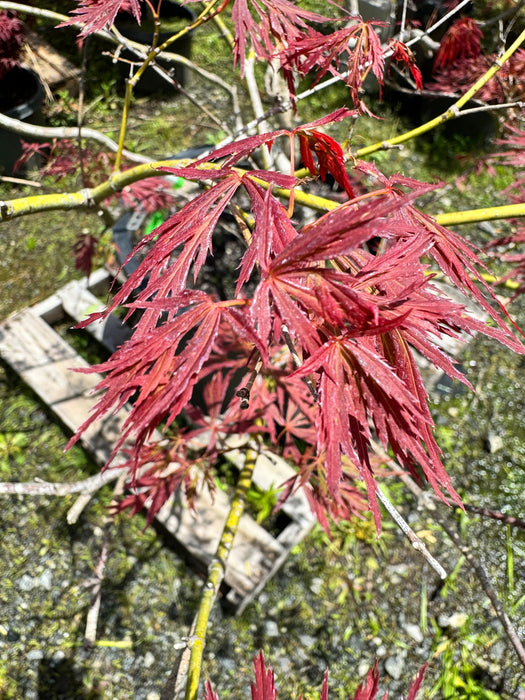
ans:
x=55 y=71
x=43 y=360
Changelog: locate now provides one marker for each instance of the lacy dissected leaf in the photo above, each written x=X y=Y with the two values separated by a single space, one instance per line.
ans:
x=159 y=367
x=355 y=384
x=461 y=40
x=402 y=54
x=340 y=231
x=459 y=262
x=12 y=32
x=455 y=256
x=84 y=249
x=329 y=156
x=349 y=502
x=149 y=195
x=416 y=684
x=507 y=85
x=209 y=693
x=31 y=149
x=273 y=25
x=160 y=275
x=369 y=688
x=164 y=469
x=95 y=15
x=514 y=154
x=232 y=152
x=264 y=686
x=350 y=53
x=291 y=417
x=272 y=230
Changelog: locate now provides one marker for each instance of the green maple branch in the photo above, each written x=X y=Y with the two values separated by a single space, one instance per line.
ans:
x=453 y=111
x=205 y=15
x=216 y=572
x=91 y=197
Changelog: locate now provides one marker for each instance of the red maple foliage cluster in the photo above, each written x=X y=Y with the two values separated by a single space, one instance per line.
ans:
x=354 y=318
x=11 y=38
x=315 y=350
x=264 y=686
x=462 y=40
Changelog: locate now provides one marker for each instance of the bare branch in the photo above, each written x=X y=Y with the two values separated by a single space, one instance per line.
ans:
x=43 y=133
x=48 y=488
x=90 y=633
x=476 y=565
x=415 y=541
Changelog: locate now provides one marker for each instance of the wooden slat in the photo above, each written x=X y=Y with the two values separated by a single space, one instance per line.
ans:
x=27 y=342
x=78 y=302
x=54 y=70
x=44 y=361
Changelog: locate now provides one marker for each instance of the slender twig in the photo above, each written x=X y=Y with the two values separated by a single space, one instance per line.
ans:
x=19 y=181
x=244 y=392
x=503 y=15
x=402 y=28
x=478 y=569
x=90 y=633
x=138 y=49
x=511 y=520
x=415 y=541
x=255 y=99
x=42 y=133
x=48 y=488
x=216 y=572
x=453 y=111
x=80 y=112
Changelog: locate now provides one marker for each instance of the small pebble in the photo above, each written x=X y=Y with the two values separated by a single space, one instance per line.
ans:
x=149 y=659
x=394 y=666
x=414 y=632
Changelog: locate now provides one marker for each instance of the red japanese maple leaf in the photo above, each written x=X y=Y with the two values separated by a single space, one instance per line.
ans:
x=144 y=367
x=264 y=686
x=352 y=319
x=281 y=23
x=402 y=54
x=165 y=468
x=330 y=157
x=349 y=53
x=95 y=15
x=12 y=32
x=461 y=40
x=150 y=195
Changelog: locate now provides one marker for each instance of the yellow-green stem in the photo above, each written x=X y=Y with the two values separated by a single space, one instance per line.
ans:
x=123 y=124
x=451 y=112
x=216 y=575
x=130 y=84
x=11 y=209
x=472 y=216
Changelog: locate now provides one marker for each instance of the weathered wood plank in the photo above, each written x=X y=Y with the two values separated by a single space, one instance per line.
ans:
x=26 y=342
x=51 y=308
x=43 y=360
x=55 y=70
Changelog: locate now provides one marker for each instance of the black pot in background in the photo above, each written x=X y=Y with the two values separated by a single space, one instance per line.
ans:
x=21 y=97
x=151 y=82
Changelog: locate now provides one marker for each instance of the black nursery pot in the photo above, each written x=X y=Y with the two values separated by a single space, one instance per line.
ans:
x=173 y=17
x=21 y=97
